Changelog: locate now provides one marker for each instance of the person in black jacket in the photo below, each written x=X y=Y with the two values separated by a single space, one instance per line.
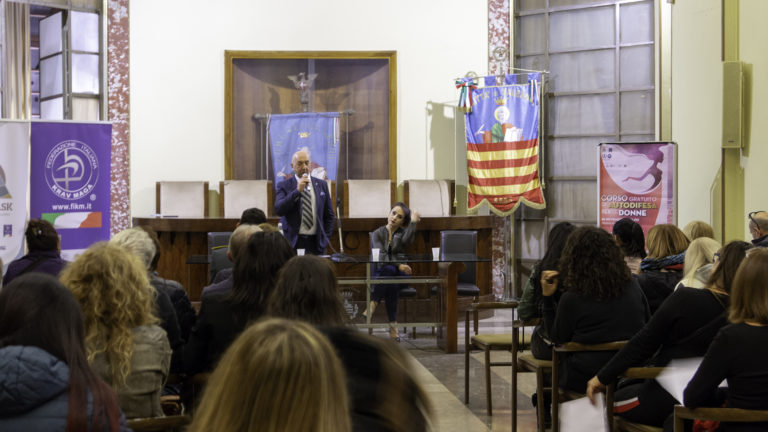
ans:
x=45 y=380
x=43 y=257
x=683 y=327
x=662 y=269
x=601 y=303
x=739 y=352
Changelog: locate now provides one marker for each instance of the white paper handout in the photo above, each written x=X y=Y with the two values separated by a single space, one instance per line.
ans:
x=580 y=415
x=678 y=373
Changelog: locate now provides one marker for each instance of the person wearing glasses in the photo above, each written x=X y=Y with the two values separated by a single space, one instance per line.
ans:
x=758 y=227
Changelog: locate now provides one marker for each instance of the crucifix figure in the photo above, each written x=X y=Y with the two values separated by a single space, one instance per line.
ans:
x=303 y=83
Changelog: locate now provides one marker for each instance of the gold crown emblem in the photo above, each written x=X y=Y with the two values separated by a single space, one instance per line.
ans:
x=501 y=101
x=303 y=134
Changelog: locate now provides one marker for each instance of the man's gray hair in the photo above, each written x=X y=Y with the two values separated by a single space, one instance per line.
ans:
x=240 y=237
x=137 y=242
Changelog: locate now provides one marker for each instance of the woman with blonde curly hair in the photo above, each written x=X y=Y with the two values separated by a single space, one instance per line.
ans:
x=280 y=376
x=124 y=344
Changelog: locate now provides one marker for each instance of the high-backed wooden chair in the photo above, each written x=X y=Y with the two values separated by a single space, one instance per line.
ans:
x=619 y=423
x=526 y=362
x=238 y=195
x=368 y=198
x=557 y=356
x=159 y=424
x=486 y=342
x=718 y=414
x=184 y=199
x=433 y=198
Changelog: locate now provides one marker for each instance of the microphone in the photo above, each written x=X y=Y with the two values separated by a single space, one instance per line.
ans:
x=309 y=185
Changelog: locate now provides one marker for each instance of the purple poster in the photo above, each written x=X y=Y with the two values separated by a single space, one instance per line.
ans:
x=69 y=181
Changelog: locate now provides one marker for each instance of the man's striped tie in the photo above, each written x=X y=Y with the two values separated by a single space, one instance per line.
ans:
x=306 y=210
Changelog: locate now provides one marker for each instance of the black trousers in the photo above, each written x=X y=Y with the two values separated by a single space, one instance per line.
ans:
x=390 y=293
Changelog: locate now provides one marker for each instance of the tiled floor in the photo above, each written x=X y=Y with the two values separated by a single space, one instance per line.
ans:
x=442 y=376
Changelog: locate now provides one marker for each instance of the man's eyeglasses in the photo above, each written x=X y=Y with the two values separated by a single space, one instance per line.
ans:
x=751 y=217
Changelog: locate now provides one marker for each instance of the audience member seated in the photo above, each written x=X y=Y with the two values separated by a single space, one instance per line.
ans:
x=278 y=376
x=124 y=345
x=699 y=260
x=683 y=327
x=601 y=302
x=392 y=239
x=236 y=241
x=662 y=269
x=251 y=216
x=268 y=227
x=138 y=242
x=46 y=383
x=629 y=235
x=185 y=313
x=223 y=316
x=758 y=227
x=698 y=229
x=384 y=395
x=531 y=301
x=43 y=257
x=739 y=352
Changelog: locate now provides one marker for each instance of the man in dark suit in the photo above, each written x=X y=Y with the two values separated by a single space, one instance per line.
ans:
x=305 y=207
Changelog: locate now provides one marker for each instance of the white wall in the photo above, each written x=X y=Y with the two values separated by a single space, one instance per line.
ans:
x=177 y=71
x=696 y=104
x=752 y=51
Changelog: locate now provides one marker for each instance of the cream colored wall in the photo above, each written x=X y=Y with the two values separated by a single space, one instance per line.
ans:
x=177 y=71
x=696 y=105
x=752 y=36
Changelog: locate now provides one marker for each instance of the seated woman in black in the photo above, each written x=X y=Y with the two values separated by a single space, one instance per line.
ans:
x=683 y=327
x=223 y=316
x=531 y=301
x=392 y=239
x=601 y=303
x=739 y=352
x=662 y=269
x=43 y=257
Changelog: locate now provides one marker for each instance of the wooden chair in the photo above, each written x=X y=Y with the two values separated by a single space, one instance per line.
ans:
x=238 y=195
x=433 y=198
x=485 y=342
x=526 y=362
x=159 y=424
x=572 y=347
x=718 y=414
x=183 y=199
x=619 y=423
x=368 y=198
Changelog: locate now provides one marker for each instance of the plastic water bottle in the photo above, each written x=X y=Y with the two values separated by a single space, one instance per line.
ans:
x=280 y=228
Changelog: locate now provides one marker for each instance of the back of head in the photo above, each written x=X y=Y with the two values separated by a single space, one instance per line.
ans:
x=138 y=242
x=252 y=216
x=306 y=290
x=593 y=265
x=113 y=290
x=701 y=252
x=37 y=310
x=666 y=240
x=630 y=236
x=41 y=236
x=268 y=227
x=278 y=375
x=240 y=237
x=156 y=242
x=749 y=298
x=558 y=236
x=730 y=258
x=698 y=229
x=255 y=271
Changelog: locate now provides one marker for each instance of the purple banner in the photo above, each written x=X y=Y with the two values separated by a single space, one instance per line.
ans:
x=69 y=181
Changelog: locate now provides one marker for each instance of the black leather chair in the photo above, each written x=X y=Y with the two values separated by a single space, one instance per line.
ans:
x=461 y=242
x=218 y=244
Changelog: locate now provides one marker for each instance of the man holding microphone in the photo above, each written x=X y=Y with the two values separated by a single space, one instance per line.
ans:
x=305 y=207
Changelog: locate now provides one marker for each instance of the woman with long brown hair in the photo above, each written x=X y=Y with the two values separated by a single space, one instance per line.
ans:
x=45 y=380
x=125 y=345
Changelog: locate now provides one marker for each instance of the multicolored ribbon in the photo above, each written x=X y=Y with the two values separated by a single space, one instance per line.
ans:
x=465 y=97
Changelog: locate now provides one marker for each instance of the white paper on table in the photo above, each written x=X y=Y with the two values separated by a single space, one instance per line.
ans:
x=677 y=374
x=580 y=415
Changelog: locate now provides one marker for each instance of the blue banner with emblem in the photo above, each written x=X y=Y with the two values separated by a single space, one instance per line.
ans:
x=70 y=181
x=315 y=133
